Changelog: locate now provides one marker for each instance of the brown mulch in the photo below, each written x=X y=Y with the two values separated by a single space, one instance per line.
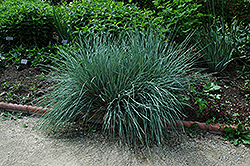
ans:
x=22 y=86
x=233 y=105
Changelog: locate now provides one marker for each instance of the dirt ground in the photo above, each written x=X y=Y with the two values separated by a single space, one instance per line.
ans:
x=22 y=146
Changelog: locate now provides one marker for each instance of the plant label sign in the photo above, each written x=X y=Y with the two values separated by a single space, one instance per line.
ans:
x=64 y=41
x=24 y=61
x=9 y=38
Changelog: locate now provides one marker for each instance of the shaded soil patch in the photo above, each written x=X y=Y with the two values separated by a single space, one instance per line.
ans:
x=232 y=104
x=22 y=86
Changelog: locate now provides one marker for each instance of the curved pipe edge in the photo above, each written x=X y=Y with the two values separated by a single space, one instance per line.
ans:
x=41 y=110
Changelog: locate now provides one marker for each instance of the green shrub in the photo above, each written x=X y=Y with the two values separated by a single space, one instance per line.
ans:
x=33 y=55
x=134 y=85
x=90 y=17
x=58 y=2
x=29 y=22
x=182 y=14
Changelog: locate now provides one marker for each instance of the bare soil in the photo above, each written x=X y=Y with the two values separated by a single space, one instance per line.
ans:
x=232 y=106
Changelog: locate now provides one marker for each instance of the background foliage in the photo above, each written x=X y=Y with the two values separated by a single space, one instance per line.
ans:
x=29 y=22
x=228 y=9
x=185 y=15
x=35 y=25
x=217 y=44
x=90 y=17
x=188 y=15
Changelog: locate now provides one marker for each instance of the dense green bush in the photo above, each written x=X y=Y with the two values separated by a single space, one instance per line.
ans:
x=135 y=86
x=58 y=2
x=90 y=17
x=29 y=22
x=188 y=15
x=182 y=14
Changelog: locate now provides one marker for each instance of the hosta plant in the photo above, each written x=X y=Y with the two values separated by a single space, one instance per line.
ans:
x=134 y=85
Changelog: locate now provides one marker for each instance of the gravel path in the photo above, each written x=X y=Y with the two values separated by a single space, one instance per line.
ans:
x=21 y=146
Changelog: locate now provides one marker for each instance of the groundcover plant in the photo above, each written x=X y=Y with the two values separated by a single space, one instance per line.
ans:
x=134 y=84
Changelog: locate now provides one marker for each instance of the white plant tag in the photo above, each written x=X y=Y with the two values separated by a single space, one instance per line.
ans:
x=64 y=41
x=24 y=61
x=9 y=38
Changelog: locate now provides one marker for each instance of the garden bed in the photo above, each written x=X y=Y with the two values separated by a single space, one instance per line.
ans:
x=227 y=105
x=24 y=85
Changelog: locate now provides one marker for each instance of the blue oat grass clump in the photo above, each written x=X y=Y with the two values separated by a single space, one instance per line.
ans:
x=134 y=84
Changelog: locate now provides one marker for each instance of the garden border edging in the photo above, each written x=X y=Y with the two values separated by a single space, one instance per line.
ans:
x=41 y=110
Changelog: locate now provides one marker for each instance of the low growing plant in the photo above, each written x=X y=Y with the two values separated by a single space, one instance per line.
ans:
x=242 y=41
x=34 y=55
x=10 y=116
x=135 y=85
x=236 y=136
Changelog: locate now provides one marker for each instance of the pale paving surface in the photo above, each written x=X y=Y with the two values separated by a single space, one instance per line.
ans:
x=24 y=147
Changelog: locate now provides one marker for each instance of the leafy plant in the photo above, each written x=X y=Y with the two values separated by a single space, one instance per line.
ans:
x=236 y=136
x=210 y=110
x=242 y=40
x=10 y=116
x=202 y=103
x=143 y=4
x=135 y=85
x=210 y=87
x=33 y=55
x=182 y=14
x=91 y=17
